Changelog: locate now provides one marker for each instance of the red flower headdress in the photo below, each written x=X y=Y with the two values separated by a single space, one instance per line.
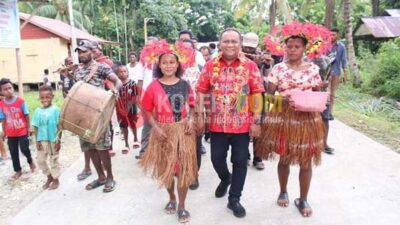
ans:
x=152 y=51
x=318 y=37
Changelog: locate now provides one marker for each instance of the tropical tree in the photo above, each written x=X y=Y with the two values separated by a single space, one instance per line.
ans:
x=329 y=13
x=349 y=43
x=58 y=9
x=260 y=9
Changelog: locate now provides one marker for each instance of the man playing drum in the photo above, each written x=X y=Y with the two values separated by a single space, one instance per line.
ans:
x=98 y=152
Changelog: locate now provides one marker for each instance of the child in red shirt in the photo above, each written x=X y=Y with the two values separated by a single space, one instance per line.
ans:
x=168 y=104
x=14 y=116
x=126 y=107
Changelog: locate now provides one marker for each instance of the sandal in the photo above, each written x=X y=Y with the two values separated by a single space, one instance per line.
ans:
x=125 y=150
x=136 y=145
x=94 y=184
x=109 y=186
x=301 y=206
x=170 y=208
x=281 y=197
x=111 y=153
x=183 y=216
x=84 y=175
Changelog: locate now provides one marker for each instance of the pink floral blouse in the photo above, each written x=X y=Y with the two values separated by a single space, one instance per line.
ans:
x=288 y=79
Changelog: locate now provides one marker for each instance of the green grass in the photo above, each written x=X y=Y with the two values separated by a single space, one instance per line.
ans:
x=32 y=100
x=376 y=117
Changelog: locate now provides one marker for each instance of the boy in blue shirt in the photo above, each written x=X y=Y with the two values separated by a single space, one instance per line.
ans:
x=45 y=123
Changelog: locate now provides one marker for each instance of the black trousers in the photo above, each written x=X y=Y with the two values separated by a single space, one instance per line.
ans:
x=198 y=150
x=16 y=143
x=220 y=143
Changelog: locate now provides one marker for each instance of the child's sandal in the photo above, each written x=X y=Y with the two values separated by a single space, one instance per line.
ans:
x=183 y=216
x=170 y=208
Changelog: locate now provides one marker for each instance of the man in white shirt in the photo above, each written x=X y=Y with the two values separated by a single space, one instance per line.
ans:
x=135 y=68
x=187 y=35
x=144 y=79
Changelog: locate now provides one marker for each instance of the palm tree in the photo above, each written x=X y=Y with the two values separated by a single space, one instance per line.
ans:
x=349 y=43
x=375 y=7
x=259 y=9
x=57 y=9
x=330 y=7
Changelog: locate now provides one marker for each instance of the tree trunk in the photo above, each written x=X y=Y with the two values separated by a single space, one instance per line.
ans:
x=349 y=43
x=375 y=7
x=272 y=14
x=330 y=7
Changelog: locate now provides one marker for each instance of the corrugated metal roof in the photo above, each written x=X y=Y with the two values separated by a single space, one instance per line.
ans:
x=60 y=28
x=393 y=12
x=381 y=27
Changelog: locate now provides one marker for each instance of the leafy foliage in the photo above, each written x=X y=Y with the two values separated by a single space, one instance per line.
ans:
x=384 y=79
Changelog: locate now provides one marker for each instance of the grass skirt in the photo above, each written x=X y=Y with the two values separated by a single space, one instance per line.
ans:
x=174 y=157
x=298 y=137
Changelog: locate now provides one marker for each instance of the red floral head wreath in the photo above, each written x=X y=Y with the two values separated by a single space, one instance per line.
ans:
x=151 y=53
x=318 y=38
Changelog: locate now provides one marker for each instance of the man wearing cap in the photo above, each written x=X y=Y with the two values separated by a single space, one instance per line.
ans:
x=98 y=152
x=249 y=48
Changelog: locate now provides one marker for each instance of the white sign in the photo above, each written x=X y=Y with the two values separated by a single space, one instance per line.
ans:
x=9 y=24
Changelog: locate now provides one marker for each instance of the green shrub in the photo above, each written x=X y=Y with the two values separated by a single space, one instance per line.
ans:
x=385 y=79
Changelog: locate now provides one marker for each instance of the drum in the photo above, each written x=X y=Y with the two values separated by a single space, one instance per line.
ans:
x=87 y=111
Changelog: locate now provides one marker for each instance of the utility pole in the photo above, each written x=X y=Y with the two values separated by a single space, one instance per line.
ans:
x=145 y=27
x=73 y=36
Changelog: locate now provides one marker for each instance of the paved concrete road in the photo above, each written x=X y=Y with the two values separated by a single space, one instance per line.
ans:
x=360 y=184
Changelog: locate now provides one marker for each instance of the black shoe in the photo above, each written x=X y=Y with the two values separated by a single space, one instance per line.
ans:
x=222 y=188
x=331 y=117
x=259 y=165
x=237 y=208
x=140 y=156
x=194 y=185
x=329 y=150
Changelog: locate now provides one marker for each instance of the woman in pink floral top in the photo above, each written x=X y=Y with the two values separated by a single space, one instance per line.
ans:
x=297 y=137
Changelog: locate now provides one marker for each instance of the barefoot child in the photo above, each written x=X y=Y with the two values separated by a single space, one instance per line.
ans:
x=14 y=116
x=45 y=121
x=126 y=107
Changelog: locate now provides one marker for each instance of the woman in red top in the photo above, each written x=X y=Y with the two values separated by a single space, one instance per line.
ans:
x=172 y=146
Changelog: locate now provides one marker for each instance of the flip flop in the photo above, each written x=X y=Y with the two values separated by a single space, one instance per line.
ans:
x=136 y=145
x=283 y=196
x=94 y=184
x=183 y=216
x=301 y=205
x=111 y=153
x=84 y=175
x=125 y=150
x=109 y=186
x=170 y=208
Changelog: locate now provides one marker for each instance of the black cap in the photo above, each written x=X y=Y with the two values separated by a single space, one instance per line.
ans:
x=84 y=45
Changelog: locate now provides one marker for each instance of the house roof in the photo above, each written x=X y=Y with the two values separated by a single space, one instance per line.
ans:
x=379 y=27
x=392 y=12
x=61 y=29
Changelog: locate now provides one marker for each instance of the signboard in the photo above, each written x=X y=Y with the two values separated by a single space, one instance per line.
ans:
x=9 y=24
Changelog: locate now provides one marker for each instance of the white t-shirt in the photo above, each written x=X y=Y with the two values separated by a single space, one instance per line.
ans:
x=146 y=76
x=135 y=72
x=200 y=59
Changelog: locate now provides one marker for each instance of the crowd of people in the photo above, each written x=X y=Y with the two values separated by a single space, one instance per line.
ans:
x=228 y=97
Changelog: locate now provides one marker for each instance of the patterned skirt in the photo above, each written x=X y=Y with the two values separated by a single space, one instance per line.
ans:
x=297 y=137
x=176 y=156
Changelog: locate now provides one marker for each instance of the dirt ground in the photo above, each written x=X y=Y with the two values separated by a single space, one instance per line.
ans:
x=15 y=195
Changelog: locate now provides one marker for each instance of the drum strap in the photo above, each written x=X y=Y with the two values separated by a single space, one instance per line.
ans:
x=92 y=72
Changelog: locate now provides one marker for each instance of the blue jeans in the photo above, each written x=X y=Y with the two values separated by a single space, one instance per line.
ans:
x=220 y=143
